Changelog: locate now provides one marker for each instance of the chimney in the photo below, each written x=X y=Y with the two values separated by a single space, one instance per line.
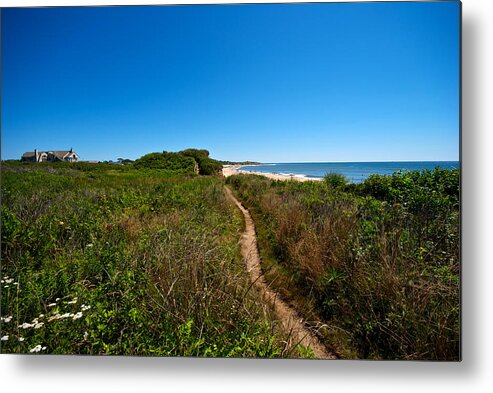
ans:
x=71 y=150
x=35 y=155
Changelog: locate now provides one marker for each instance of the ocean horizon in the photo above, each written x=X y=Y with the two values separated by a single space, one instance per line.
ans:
x=355 y=172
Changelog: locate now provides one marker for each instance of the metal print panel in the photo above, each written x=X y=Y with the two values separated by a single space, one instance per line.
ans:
x=262 y=181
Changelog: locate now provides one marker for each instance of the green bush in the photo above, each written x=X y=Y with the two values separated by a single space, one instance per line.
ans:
x=174 y=162
x=335 y=180
x=412 y=186
x=207 y=166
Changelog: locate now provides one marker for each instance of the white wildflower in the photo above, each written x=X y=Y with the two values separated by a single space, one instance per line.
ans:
x=4 y=338
x=77 y=316
x=85 y=308
x=7 y=319
x=53 y=317
x=52 y=305
x=66 y=315
x=6 y=286
x=57 y=299
x=61 y=223
x=72 y=302
x=89 y=245
x=41 y=315
x=21 y=339
x=86 y=335
x=16 y=283
x=38 y=325
x=26 y=325
x=37 y=348
x=8 y=280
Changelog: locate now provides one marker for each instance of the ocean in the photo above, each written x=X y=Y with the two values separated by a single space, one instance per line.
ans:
x=356 y=172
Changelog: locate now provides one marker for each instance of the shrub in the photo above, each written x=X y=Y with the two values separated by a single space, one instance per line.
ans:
x=166 y=161
x=207 y=166
x=335 y=180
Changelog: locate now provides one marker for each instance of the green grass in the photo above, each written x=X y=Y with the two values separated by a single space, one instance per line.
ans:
x=109 y=259
x=102 y=259
x=377 y=262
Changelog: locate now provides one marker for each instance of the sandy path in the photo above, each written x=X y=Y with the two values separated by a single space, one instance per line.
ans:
x=291 y=322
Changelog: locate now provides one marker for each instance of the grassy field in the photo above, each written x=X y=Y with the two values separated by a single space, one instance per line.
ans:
x=378 y=262
x=134 y=260
x=106 y=259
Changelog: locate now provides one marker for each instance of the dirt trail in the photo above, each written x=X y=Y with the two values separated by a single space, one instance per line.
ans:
x=291 y=322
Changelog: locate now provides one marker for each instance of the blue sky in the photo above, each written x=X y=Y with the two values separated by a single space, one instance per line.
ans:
x=273 y=83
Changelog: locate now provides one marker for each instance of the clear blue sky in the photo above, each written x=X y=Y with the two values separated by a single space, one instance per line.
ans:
x=273 y=83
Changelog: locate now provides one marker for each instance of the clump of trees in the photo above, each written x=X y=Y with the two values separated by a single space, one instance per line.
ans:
x=175 y=162
x=185 y=161
x=207 y=165
x=124 y=161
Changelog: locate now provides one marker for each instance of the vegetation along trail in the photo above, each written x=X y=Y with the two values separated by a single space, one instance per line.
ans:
x=291 y=322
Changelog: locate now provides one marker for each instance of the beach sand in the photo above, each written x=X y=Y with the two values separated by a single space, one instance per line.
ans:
x=230 y=170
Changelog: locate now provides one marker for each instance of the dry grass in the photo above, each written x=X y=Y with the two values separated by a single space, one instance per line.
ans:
x=379 y=275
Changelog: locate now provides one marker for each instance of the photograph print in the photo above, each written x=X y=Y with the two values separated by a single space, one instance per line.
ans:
x=235 y=181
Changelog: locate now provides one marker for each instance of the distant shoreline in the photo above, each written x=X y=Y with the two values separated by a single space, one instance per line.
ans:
x=355 y=172
x=231 y=170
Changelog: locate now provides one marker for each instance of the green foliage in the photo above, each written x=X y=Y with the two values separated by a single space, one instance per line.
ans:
x=377 y=262
x=174 y=162
x=335 y=180
x=65 y=167
x=202 y=153
x=124 y=161
x=418 y=189
x=207 y=166
x=107 y=259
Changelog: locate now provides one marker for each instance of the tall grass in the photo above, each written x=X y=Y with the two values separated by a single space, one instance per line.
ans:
x=378 y=262
x=103 y=260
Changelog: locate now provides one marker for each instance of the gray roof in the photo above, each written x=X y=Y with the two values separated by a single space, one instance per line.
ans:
x=60 y=153
x=57 y=153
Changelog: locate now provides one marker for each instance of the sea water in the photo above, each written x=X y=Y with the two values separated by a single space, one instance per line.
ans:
x=355 y=172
